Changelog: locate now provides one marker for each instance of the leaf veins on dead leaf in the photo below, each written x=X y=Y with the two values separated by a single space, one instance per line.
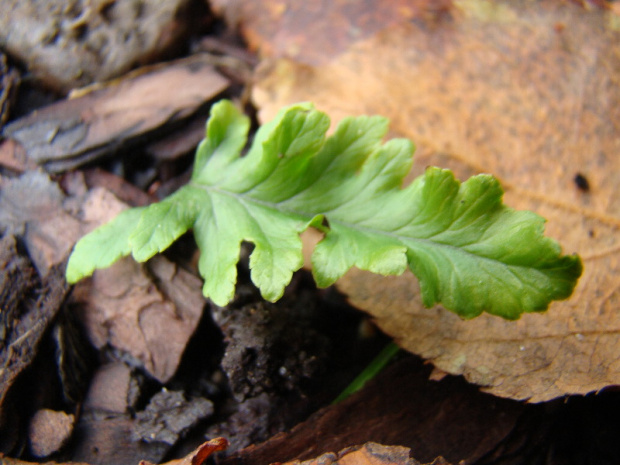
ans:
x=199 y=455
x=526 y=91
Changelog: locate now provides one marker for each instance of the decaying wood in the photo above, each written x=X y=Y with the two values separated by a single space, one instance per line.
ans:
x=9 y=82
x=402 y=407
x=37 y=313
x=117 y=115
x=20 y=345
x=17 y=277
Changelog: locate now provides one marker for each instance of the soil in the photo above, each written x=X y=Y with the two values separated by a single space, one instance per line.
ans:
x=263 y=375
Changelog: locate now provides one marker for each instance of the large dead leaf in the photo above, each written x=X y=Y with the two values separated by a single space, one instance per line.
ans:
x=528 y=91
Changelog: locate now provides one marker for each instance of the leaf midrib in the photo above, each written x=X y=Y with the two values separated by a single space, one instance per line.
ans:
x=247 y=200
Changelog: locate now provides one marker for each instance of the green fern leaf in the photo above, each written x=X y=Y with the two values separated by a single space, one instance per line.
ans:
x=470 y=252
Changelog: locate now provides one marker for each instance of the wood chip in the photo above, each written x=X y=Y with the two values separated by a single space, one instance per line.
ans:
x=119 y=114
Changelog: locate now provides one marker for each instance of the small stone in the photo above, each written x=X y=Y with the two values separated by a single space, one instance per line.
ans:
x=49 y=431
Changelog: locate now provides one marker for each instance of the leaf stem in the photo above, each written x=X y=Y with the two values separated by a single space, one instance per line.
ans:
x=372 y=370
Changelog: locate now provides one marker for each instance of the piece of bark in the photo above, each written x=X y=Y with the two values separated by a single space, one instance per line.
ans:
x=13 y=156
x=39 y=310
x=31 y=207
x=123 y=190
x=180 y=142
x=9 y=82
x=49 y=431
x=120 y=114
x=21 y=345
x=106 y=439
x=69 y=45
x=17 y=278
x=400 y=406
x=168 y=416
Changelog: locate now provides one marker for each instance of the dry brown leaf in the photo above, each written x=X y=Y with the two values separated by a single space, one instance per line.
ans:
x=149 y=311
x=370 y=453
x=528 y=91
x=199 y=455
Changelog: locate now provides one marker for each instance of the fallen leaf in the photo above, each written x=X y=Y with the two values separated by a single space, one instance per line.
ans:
x=149 y=312
x=110 y=389
x=200 y=454
x=525 y=90
x=370 y=453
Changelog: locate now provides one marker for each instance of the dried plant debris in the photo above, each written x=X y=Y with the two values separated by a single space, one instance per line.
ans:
x=113 y=389
x=120 y=114
x=168 y=416
x=370 y=453
x=200 y=454
x=31 y=207
x=36 y=313
x=9 y=82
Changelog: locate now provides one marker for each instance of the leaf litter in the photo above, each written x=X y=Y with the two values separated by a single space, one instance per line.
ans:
x=532 y=424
